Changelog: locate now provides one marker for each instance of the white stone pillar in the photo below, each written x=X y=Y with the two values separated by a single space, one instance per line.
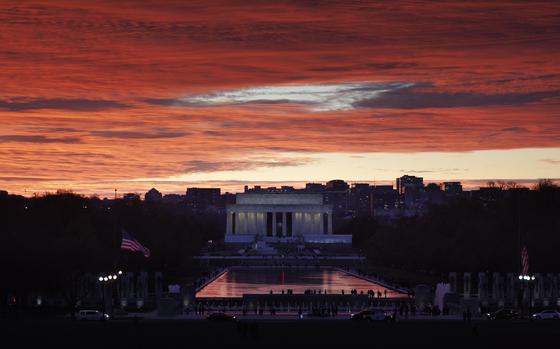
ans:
x=242 y=222
x=258 y=219
x=308 y=223
x=235 y=223
x=254 y=227
x=284 y=226
x=329 y=215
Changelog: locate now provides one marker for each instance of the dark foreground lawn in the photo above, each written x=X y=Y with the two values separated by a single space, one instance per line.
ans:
x=60 y=333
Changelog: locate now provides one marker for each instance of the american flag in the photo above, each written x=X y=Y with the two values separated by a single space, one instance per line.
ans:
x=130 y=244
x=524 y=261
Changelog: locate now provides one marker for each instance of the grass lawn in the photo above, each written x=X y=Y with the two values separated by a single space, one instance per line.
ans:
x=58 y=333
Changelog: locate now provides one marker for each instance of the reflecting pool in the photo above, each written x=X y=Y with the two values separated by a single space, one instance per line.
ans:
x=239 y=281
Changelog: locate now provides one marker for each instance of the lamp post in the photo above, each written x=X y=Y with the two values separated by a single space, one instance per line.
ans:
x=527 y=280
x=108 y=280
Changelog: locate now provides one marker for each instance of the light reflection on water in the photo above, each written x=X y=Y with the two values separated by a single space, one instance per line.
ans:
x=239 y=281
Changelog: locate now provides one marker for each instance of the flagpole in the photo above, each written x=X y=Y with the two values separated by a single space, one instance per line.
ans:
x=115 y=255
x=519 y=261
x=519 y=230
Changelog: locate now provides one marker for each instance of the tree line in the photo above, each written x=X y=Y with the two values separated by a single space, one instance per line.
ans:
x=470 y=234
x=47 y=237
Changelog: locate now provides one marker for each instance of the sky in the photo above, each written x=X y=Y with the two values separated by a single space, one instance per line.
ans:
x=128 y=95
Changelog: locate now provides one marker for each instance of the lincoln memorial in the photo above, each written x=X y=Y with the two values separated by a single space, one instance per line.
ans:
x=280 y=217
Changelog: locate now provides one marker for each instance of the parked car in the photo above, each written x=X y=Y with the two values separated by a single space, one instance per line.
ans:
x=371 y=315
x=547 y=314
x=503 y=314
x=221 y=317
x=92 y=315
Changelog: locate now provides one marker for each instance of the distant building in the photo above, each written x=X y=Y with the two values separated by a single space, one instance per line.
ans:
x=407 y=182
x=452 y=187
x=153 y=195
x=487 y=194
x=336 y=194
x=202 y=198
x=3 y=194
x=228 y=199
x=383 y=198
x=270 y=190
x=280 y=217
x=131 y=197
x=337 y=184
x=173 y=199
x=432 y=195
x=314 y=187
x=359 y=199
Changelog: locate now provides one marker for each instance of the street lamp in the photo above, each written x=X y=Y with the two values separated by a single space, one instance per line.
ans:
x=527 y=279
x=104 y=280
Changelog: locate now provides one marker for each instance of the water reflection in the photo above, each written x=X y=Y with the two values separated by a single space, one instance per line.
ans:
x=239 y=281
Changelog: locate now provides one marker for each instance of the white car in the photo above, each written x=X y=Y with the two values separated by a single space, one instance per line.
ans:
x=547 y=314
x=94 y=315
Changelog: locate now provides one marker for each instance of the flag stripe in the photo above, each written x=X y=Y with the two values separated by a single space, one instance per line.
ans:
x=128 y=243
x=524 y=261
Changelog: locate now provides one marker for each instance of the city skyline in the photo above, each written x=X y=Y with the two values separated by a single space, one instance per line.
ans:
x=288 y=186
x=98 y=96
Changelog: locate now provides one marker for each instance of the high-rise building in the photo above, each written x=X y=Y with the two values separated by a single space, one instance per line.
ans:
x=336 y=194
x=358 y=200
x=202 y=198
x=407 y=182
x=383 y=197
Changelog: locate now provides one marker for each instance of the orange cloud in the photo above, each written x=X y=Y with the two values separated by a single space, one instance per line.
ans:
x=89 y=89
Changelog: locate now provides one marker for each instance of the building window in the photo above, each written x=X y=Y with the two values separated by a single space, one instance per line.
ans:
x=288 y=223
x=269 y=224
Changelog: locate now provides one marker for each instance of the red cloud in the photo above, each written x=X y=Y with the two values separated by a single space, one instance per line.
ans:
x=116 y=56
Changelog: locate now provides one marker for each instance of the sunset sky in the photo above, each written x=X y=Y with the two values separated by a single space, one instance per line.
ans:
x=98 y=95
